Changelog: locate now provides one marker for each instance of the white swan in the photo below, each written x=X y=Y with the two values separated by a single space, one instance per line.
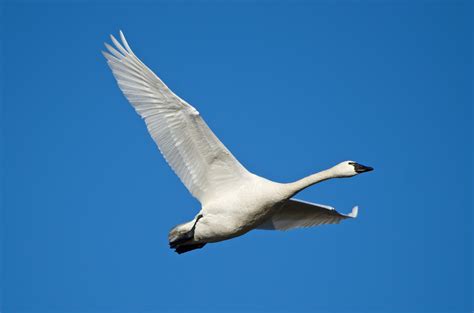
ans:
x=234 y=201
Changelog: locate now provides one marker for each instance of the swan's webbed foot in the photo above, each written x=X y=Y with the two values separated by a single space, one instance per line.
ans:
x=186 y=248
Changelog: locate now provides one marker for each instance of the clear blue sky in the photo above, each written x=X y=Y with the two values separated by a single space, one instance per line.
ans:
x=290 y=89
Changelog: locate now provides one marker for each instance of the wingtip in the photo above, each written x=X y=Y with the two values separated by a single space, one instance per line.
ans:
x=355 y=211
x=109 y=57
x=113 y=39
x=105 y=54
x=125 y=43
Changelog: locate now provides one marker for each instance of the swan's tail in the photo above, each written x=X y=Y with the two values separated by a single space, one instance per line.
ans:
x=179 y=231
x=181 y=237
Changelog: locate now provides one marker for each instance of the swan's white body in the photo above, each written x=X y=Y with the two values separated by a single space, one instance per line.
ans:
x=234 y=201
x=240 y=209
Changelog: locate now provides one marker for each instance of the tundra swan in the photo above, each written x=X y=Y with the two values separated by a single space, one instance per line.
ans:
x=233 y=200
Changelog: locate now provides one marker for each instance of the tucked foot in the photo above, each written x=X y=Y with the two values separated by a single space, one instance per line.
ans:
x=187 y=248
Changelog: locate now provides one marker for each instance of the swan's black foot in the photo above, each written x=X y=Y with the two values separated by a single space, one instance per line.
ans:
x=185 y=237
x=187 y=248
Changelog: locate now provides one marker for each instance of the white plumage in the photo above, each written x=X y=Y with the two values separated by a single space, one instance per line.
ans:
x=298 y=213
x=234 y=201
x=200 y=160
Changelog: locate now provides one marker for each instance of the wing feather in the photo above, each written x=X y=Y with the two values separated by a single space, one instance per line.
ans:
x=297 y=214
x=196 y=155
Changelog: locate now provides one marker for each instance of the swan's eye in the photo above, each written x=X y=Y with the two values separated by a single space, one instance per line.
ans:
x=351 y=163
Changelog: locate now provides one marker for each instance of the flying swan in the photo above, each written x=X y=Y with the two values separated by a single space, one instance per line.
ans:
x=233 y=200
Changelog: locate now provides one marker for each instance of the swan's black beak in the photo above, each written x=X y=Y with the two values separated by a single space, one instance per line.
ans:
x=359 y=168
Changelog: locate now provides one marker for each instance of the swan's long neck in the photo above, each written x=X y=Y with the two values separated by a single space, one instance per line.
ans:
x=310 y=180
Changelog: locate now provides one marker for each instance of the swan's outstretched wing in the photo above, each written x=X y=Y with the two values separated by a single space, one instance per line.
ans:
x=196 y=155
x=296 y=213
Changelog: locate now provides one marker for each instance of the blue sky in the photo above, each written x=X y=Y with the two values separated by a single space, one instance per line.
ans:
x=87 y=200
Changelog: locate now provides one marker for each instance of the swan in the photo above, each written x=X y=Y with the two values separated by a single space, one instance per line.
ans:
x=233 y=200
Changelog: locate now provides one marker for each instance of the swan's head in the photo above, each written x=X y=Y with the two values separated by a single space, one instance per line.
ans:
x=350 y=168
